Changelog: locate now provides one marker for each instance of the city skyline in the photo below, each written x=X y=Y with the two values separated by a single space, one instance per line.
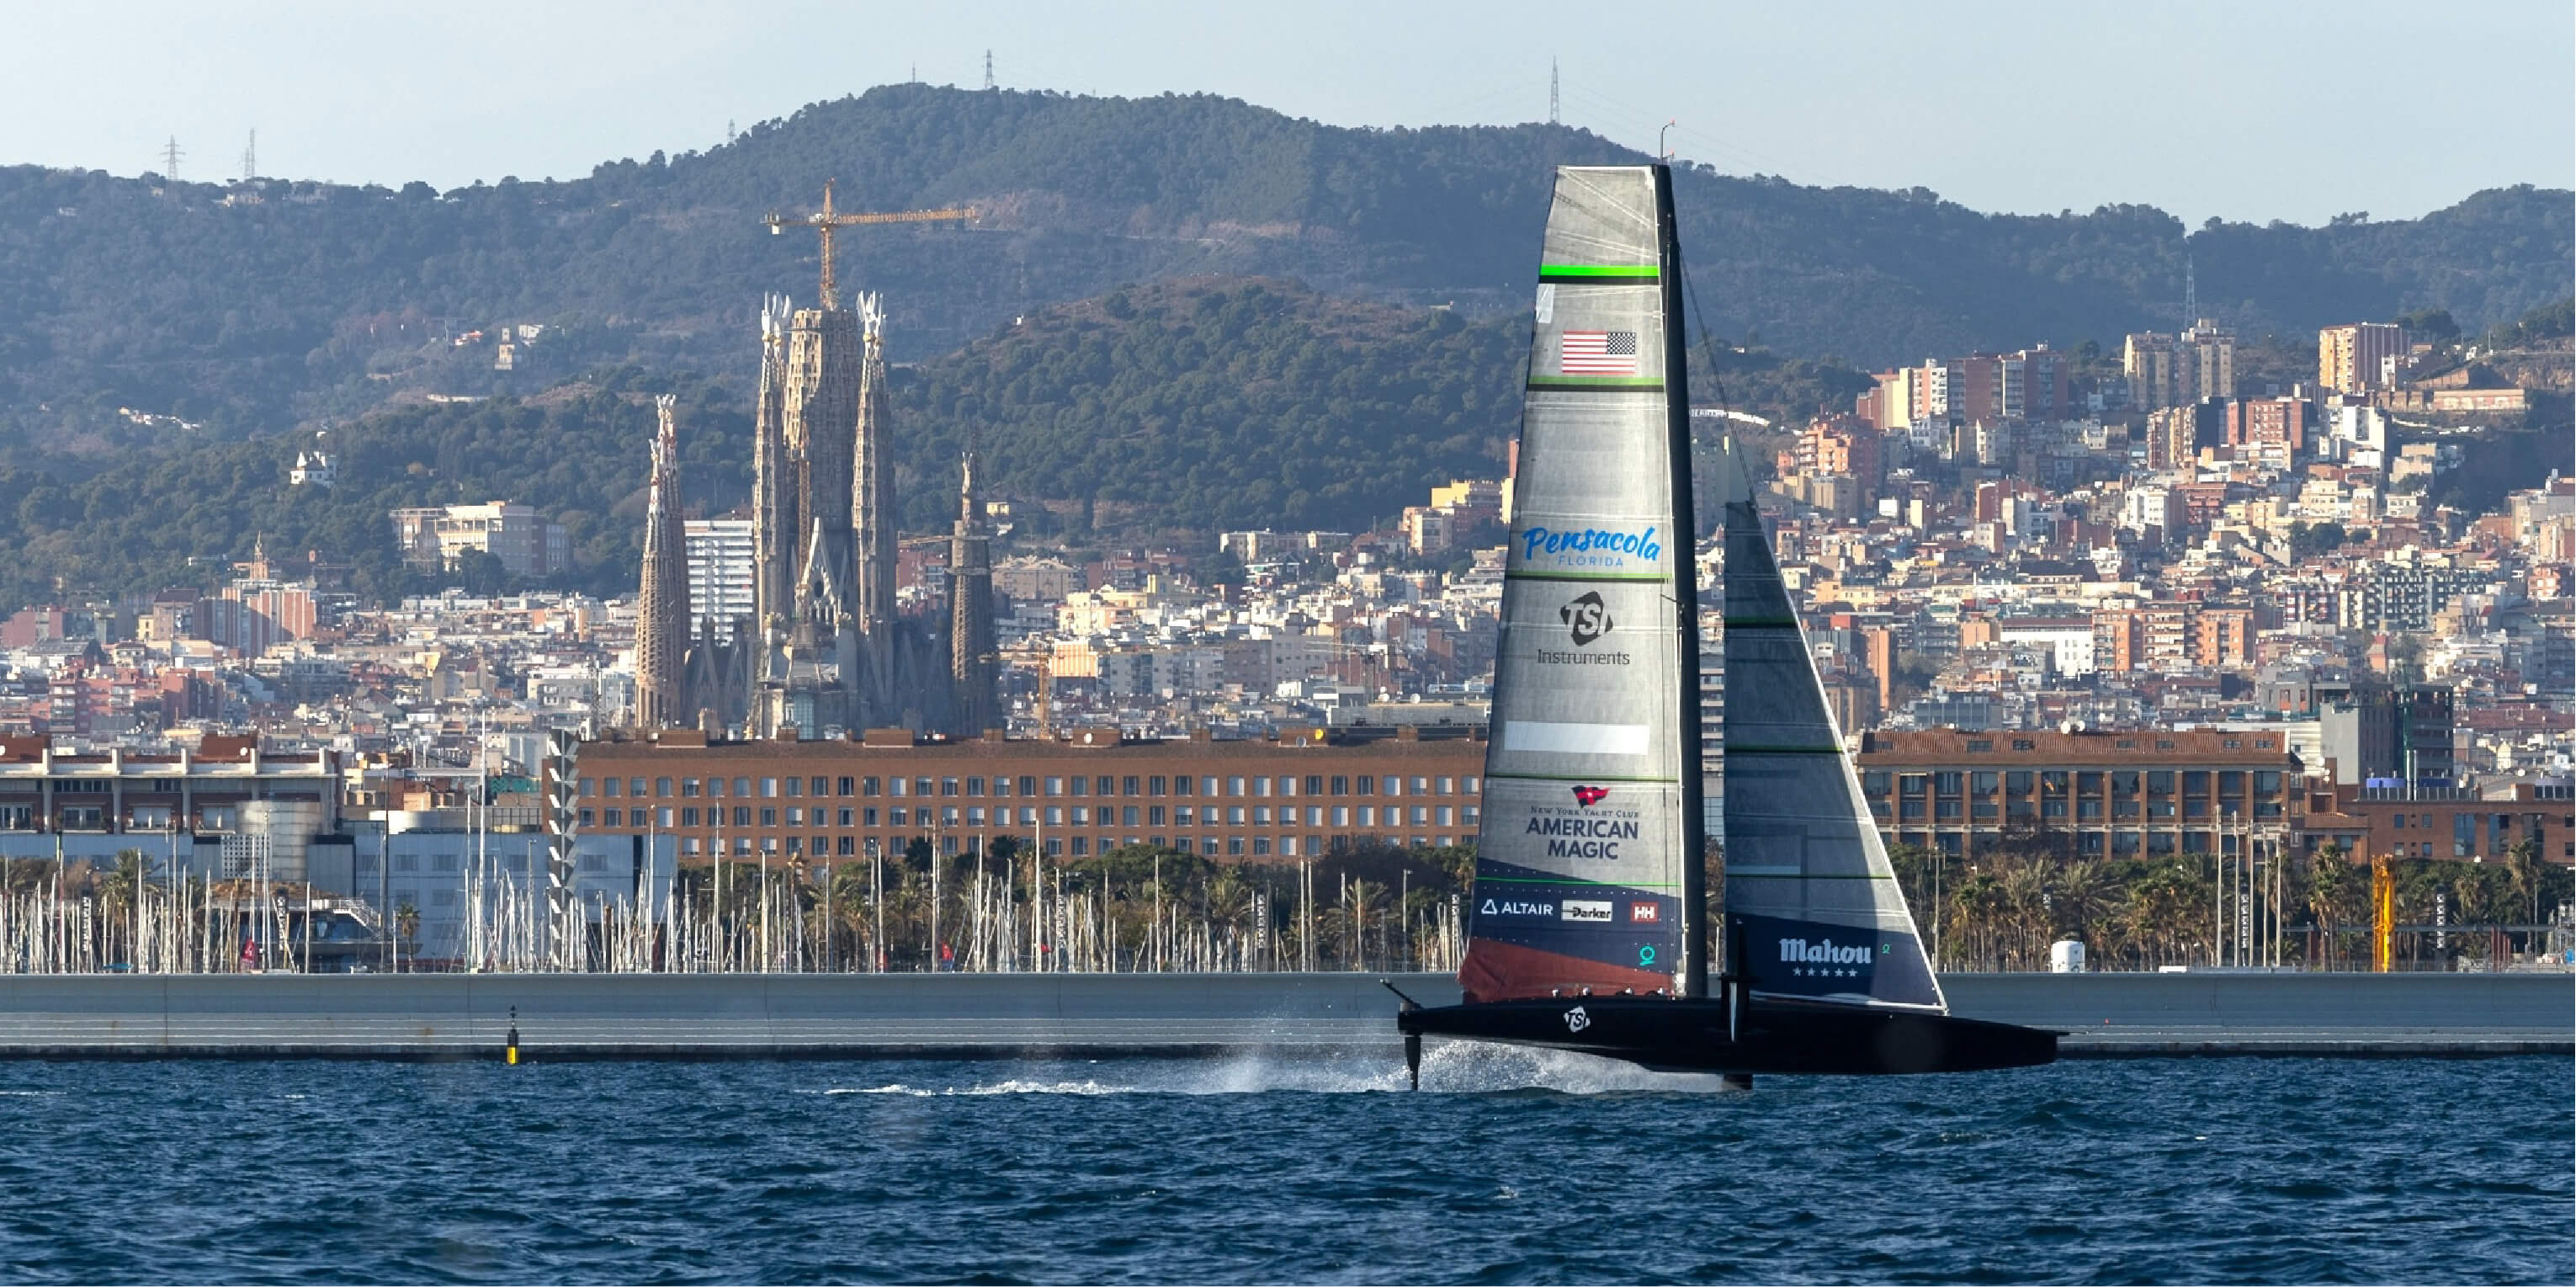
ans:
x=2485 y=110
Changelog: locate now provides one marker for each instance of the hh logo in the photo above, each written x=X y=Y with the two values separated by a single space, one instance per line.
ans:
x=1588 y=796
x=1644 y=913
x=1576 y=1020
x=1586 y=618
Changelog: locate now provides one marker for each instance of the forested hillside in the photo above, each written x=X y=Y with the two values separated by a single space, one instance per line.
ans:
x=1181 y=408
x=315 y=301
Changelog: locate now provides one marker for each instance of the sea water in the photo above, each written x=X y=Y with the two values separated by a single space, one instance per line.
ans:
x=1507 y=1168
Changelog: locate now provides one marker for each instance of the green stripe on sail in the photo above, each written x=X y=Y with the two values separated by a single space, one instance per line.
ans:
x=1598 y=272
x=1579 y=777
x=1732 y=749
x=1569 y=880
x=1658 y=578
x=1597 y=383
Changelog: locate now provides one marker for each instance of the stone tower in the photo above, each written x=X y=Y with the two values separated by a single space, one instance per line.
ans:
x=818 y=408
x=872 y=513
x=775 y=524
x=662 y=606
x=971 y=659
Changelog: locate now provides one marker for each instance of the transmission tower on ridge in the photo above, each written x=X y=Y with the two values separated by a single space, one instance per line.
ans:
x=2190 y=293
x=250 y=158
x=170 y=155
x=1551 y=91
x=988 y=69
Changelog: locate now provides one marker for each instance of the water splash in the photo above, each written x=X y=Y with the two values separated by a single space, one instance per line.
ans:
x=1463 y=1068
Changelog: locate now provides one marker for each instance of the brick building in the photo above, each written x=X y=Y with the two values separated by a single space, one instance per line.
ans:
x=2118 y=794
x=1306 y=793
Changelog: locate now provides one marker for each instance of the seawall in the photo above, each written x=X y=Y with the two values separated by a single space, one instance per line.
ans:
x=456 y=1016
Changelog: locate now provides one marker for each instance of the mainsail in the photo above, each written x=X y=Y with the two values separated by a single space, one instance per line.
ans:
x=1588 y=858
x=1812 y=904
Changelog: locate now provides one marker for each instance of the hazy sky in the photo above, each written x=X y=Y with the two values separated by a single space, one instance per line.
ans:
x=2247 y=109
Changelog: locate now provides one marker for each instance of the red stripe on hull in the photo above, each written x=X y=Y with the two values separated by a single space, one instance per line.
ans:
x=1497 y=971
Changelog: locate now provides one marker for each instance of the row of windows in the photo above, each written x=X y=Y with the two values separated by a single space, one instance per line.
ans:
x=1986 y=745
x=1911 y=809
x=2231 y=782
x=1261 y=787
x=2098 y=842
x=1077 y=846
x=1053 y=815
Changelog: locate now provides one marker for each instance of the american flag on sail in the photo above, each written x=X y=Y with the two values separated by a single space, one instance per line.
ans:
x=1598 y=353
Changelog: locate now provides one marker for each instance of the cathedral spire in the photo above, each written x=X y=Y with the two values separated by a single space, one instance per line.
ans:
x=662 y=604
x=972 y=655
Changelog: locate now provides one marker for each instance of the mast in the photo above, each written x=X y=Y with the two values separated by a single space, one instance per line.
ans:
x=1693 y=825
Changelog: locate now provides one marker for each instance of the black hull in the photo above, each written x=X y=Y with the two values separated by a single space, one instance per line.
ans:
x=1771 y=1036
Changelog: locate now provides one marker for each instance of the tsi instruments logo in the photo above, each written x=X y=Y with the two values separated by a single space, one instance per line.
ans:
x=1576 y=1020
x=1825 y=958
x=1586 y=619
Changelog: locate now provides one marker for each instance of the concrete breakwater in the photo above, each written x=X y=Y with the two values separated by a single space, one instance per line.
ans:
x=432 y=1016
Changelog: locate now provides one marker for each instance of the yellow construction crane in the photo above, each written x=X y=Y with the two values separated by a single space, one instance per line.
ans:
x=824 y=221
x=2383 y=914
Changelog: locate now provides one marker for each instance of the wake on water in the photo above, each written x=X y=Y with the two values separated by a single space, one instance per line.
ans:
x=1469 y=1068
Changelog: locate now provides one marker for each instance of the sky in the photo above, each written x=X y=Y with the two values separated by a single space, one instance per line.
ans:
x=2258 y=111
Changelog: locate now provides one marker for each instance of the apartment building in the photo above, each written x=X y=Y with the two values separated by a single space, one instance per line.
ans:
x=2359 y=357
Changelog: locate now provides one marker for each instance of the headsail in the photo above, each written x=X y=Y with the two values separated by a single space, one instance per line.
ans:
x=1812 y=904
x=1587 y=870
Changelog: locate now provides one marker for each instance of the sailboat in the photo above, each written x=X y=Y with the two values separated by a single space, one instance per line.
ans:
x=1590 y=926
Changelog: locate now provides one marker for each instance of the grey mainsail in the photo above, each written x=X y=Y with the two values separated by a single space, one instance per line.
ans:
x=1587 y=873
x=1813 y=908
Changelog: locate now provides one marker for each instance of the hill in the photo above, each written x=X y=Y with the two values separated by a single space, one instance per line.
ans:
x=254 y=309
x=1177 y=409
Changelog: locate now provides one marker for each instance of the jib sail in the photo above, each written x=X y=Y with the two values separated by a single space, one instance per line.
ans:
x=1812 y=905
x=1587 y=870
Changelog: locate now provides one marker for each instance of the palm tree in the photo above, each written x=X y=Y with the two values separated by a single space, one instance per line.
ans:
x=2522 y=868
x=2334 y=892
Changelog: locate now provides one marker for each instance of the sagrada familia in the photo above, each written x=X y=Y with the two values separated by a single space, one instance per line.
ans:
x=827 y=647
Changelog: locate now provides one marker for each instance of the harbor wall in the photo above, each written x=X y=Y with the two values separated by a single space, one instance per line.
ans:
x=997 y=1015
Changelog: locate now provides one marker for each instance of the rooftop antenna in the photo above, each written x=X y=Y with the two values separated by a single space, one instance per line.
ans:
x=1551 y=91
x=250 y=158
x=170 y=155
x=988 y=69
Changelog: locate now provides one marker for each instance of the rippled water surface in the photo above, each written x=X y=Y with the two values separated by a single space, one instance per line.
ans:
x=1509 y=1168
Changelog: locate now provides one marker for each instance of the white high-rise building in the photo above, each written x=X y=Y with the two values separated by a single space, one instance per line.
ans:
x=721 y=567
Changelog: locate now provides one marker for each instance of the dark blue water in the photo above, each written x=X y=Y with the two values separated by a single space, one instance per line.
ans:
x=1522 y=1169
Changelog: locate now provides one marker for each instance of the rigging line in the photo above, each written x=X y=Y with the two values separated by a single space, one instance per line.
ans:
x=1699 y=317
x=1640 y=121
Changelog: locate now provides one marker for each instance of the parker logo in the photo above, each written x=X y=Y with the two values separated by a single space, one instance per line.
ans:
x=1586 y=909
x=1588 y=796
x=1645 y=914
x=1576 y=1020
x=1586 y=618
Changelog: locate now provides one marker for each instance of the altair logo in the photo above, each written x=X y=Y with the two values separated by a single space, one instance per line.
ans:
x=1825 y=958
